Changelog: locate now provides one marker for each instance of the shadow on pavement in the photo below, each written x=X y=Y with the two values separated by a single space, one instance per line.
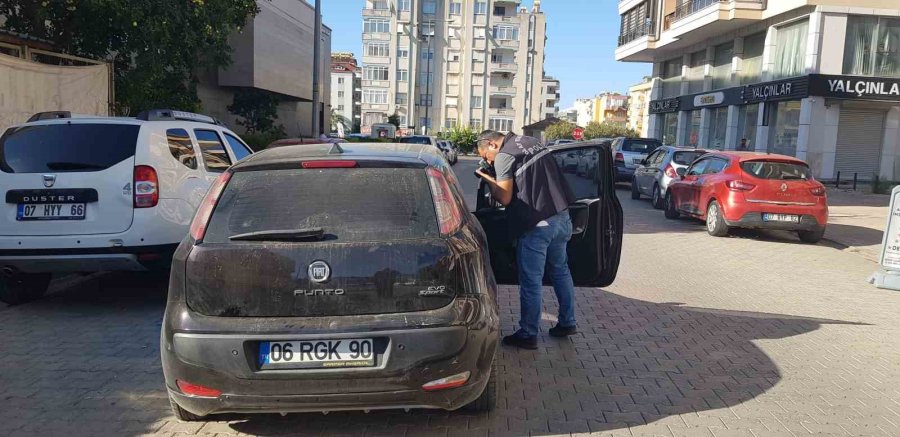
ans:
x=855 y=235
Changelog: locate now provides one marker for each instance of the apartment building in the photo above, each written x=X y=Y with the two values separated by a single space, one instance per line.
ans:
x=639 y=106
x=346 y=88
x=444 y=63
x=611 y=108
x=815 y=79
x=584 y=111
x=550 y=98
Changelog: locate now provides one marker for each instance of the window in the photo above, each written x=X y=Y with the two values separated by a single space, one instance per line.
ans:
x=425 y=100
x=377 y=97
x=404 y=122
x=499 y=11
x=698 y=168
x=475 y=123
x=181 y=147
x=748 y=118
x=787 y=128
x=238 y=148
x=718 y=124
x=402 y=53
x=455 y=8
x=429 y=7
x=376 y=25
x=450 y=123
x=715 y=165
x=378 y=49
x=506 y=33
x=340 y=108
x=215 y=158
x=340 y=81
x=426 y=79
x=402 y=75
x=790 y=50
x=427 y=53
x=872 y=47
x=375 y=73
x=477 y=101
x=669 y=128
x=696 y=71
x=401 y=99
x=721 y=66
x=501 y=124
x=428 y=28
x=380 y=5
x=776 y=170
x=671 y=74
x=61 y=148
x=692 y=133
x=340 y=94
x=403 y=5
x=751 y=66
x=480 y=8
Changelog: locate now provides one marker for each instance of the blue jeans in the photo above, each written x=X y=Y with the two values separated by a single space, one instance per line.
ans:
x=540 y=248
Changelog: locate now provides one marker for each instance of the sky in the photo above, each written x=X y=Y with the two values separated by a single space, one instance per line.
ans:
x=581 y=42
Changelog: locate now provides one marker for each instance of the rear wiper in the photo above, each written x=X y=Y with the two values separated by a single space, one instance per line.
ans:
x=309 y=234
x=64 y=165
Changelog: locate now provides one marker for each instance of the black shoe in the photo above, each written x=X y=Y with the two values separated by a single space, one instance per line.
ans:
x=521 y=340
x=563 y=331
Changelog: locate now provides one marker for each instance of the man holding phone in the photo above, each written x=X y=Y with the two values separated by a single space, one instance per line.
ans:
x=532 y=187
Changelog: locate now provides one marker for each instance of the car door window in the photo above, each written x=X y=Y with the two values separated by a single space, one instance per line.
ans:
x=698 y=168
x=238 y=148
x=660 y=157
x=715 y=165
x=215 y=158
x=584 y=182
x=182 y=148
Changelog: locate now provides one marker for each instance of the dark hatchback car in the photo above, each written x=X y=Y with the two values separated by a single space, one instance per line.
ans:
x=348 y=277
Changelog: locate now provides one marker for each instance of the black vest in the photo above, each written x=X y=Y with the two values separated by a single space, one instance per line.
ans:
x=540 y=190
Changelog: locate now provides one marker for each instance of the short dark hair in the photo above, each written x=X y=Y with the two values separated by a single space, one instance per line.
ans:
x=488 y=135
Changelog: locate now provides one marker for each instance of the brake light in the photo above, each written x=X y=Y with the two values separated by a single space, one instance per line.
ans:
x=453 y=381
x=670 y=171
x=146 y=187
x=817 y=191
x=620 y=157
x=739 y=186
x=204 y=212
x=448 y=214
x=197 y=390
x=329 y=164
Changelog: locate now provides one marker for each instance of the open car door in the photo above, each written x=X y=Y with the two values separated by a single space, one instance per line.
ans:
x=596 y=244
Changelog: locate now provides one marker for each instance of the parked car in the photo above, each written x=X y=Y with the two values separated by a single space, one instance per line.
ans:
x=89 y=194
x=419 y=139
x=750 y=190
x=629 y=153
x=449 y=151
x=653 y=176
x=334 y=299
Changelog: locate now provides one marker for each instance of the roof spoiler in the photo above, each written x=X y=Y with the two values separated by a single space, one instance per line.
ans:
x=49 y=115
x=172 y=115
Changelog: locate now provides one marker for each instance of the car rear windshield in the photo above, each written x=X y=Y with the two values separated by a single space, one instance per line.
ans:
x=66 y=147
x=776 y=170
x=640 y=146
x=350 y=205
x=415 y=140
x=686 y=158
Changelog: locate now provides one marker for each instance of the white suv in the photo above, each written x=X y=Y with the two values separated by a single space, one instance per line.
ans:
x=89 y=194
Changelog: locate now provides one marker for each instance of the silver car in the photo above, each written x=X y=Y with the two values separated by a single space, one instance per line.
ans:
x=629 y=152
x=654 y=174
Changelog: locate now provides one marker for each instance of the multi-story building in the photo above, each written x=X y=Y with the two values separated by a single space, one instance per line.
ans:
x=815 y=79
x=550 y=98
x=611 y=108
x=346 y=88
x=584 y=111
x=569 y=114
x=639 y=106
x=443 y=63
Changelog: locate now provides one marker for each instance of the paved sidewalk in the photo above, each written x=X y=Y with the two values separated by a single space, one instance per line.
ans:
x=857 y=221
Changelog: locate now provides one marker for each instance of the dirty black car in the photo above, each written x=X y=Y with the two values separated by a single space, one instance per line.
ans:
x=336 y=277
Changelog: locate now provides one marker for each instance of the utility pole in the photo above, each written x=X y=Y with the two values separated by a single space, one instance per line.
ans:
x=317 y=65
x=428 y=85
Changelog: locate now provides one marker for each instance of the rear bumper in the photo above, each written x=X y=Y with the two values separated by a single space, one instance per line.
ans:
x=754 y=220
x=140 y=258
x=741 y=213
x=624 y=174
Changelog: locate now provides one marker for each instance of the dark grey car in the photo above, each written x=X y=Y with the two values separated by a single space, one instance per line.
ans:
x=655 y=172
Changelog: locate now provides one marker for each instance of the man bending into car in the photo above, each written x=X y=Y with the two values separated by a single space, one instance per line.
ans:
x=531 y=186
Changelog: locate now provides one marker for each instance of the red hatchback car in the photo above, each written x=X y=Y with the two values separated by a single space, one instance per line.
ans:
x=750 y=190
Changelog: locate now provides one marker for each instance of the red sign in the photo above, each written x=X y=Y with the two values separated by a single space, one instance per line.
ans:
x=578 y=133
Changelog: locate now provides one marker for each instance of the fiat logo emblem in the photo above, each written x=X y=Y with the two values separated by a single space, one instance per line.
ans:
x=783 y=187
x=49 y=180
x=319 y=271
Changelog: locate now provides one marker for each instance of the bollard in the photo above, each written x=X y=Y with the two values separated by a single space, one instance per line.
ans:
x=854 y=181
x=837 y=182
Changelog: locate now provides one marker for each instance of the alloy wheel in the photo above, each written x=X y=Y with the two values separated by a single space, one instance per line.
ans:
x=712 y=215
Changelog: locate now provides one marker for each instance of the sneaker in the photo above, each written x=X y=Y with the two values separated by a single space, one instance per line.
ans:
x=563 y=331
x=521 y=340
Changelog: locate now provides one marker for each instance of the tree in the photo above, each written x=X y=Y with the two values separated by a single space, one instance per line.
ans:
x=559 y=131
x=394 y=120
x=258 y=109
x=463 y=137
x=607 y=130
x=157 y=47
x=339 y=120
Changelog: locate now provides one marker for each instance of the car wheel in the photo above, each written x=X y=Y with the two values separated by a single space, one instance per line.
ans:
x=811 y=237
x=669 y=207
x=656 y=199
x=23 y=288
x=715 y=221
x=487 y=401
x=635 y=193
x=182 y=414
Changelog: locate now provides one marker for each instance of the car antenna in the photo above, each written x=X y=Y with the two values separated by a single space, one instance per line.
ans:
x=335 y=149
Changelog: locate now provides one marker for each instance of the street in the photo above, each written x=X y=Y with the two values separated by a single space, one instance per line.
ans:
x=756 y=334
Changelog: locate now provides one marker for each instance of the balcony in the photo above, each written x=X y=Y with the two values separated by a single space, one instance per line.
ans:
x=376 y=36
x=503 y=90
x=506 y=18
x=376 y=83
x=507 y=43
x=504 y=67
x=693 y=7
x=383 y=13
x=648 y=29
x=504 y=112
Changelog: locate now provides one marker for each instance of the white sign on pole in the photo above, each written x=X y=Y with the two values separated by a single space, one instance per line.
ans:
x=890 y=248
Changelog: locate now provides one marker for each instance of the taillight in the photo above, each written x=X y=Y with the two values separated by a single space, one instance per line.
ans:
x=620 y=157
x=454 y=381
x=449 y=216
x=670 y=171
x=197 y=390
x=204 y=212
x=739 y=186
x=146 y=187
x=817 y=191
x=335 y=163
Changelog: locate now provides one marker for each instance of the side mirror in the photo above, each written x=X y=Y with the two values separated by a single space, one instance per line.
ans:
x=681 y=172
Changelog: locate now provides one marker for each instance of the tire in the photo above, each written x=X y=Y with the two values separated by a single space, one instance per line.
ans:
x=24 y=288
x=657 y=199
x=669 y=207
x=811 y=237
x=487 y=401
x=715 y=221
x=182 y=414
x=635 y=192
